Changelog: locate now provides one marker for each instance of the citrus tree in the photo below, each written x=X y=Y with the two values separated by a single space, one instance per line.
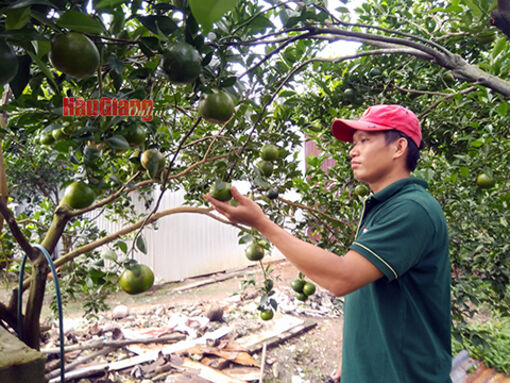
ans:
x=103 y=98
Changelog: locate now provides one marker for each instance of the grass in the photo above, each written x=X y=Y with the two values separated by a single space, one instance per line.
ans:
x=489 y=341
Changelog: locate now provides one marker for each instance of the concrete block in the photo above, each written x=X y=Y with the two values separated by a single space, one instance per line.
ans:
x=18 y=362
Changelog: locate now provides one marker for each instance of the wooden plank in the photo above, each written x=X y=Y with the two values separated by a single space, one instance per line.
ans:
x=148 y=356
x=243 y=373
x=274 y=328
x=238 y=357
x=209 y=373
x=284 y=328
x=308 y=325
x=214 y=279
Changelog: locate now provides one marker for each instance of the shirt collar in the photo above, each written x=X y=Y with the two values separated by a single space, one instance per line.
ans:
x=396 y=186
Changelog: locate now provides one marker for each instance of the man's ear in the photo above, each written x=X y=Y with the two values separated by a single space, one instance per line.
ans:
x=400 y=146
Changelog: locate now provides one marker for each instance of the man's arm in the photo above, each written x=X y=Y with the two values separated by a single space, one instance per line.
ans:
x=339 y=275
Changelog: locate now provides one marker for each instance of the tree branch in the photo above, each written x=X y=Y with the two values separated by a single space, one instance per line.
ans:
x=316 y=211
x=446 y=97
x=128 y=229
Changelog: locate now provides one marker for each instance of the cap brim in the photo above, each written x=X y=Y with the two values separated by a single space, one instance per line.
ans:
x=344 y=129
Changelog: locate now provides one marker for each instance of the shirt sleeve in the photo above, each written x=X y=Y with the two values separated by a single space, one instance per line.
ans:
x=395 y=240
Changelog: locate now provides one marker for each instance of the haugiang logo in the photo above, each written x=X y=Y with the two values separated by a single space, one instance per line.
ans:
x=107 y=107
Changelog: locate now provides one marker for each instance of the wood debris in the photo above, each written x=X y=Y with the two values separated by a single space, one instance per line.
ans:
x=167 y=346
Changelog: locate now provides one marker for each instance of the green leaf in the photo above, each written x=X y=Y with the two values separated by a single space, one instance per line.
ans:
x=207 y=12
x=247 y=238
x=42 y=47
x=140 y=244
x=117 y=142
x=44 y=68
x=454 y=9
x=116 y=64
x=96 y=276
x=20 y=81
x=17 y=18
x=22 y=35
x=80 y=22
x=160 y=25
x=464 y=171
x=91 y=155
x=478 y=142
x=122 y=246
x=498 y=47
x=108 y=3
x=26 y=3
x=475 y=9
x=229 y=81
x=503 y=108
x=259 y=24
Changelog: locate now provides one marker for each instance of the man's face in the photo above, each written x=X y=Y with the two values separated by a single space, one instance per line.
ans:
x=371 y=158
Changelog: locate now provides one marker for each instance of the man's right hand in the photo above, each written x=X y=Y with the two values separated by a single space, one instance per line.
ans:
x=248 y=212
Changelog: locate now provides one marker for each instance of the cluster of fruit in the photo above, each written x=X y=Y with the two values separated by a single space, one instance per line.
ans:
x=302 y=288
x=79 y=195
x=267 y=304
x=268 y=154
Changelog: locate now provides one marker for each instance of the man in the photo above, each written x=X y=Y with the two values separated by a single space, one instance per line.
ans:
x=396 y=274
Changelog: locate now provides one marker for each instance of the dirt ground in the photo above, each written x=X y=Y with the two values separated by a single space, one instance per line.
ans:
x=307 y=357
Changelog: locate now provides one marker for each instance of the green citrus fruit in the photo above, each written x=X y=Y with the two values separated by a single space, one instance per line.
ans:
x=254 y=252
x=361 y=190
x=297 y=285
x=272 y=193
x=309 y=288
x=216 y=107
x=220 y=190
x=79 y=195
x=46 y=139
x=269 y=152
x=59 y=134
x=8 y=63
x=153 y=161
x=182 y=63
x=267 y=314
x=375 y=72
x=135 y=135
x=301 y=297
x=74 y=54
x=233 y=202
x=70 y=129
x=349 y=93
x=137 y=279
x=265 y=167
x=485 y=181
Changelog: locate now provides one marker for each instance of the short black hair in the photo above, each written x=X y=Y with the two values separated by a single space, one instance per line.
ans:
x=413 y=152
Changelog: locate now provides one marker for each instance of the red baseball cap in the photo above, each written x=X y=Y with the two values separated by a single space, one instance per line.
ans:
x=378 y=118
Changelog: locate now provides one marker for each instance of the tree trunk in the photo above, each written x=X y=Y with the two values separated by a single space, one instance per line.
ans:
x=31 y=319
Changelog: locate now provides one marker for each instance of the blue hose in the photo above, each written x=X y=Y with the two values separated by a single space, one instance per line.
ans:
x=59 y=303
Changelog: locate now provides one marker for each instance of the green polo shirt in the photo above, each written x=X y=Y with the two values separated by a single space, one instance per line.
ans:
x=397 y=329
